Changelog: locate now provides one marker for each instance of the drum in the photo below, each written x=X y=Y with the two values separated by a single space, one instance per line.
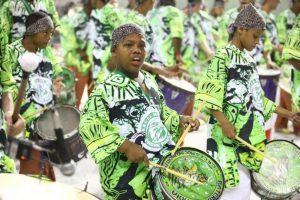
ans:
x=69 y=117
x=282 y=179
x=269 y=81
x=178 y=93
x=197 y=165
x=67 y=95
x=17 y=186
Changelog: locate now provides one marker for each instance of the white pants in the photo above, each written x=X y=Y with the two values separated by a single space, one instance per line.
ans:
x=243 y=190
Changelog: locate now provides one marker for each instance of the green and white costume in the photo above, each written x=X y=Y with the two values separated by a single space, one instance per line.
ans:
x=75 y=34
x=284 y=22
x=139 y=19
x=39 y=89
x=231 y=85
x=104 y=21
x=118 y=109
x=291 y=50
x=13 y=15
x=167 y=23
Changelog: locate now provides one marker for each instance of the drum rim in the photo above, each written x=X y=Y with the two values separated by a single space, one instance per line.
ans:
x=189 y=91
x=66 y=135
x=190 y=148
x=286 y=195
x=277 y=72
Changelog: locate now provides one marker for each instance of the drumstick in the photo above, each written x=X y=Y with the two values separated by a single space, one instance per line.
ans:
x=91 y=85
x=29 y=62
x=188 y=128
x=255 y=149
x=37 y=112
x=178 y=174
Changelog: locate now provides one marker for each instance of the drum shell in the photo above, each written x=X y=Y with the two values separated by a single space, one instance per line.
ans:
x=262 y=191
x=176 y=97
x=269 y=81
x=69 y=117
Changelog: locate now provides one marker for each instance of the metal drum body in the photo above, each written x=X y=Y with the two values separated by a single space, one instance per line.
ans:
x=282 y=179
x=196 y=164
x=269 y=79
x=69 y=117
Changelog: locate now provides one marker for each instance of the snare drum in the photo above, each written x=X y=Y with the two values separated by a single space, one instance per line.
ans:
x=178 y=93
x=196 y=164
x=282 y=179
x=269 y=81
x=69 y=118
x=67 y=95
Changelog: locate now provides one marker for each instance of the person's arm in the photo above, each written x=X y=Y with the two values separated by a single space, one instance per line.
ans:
x=8 y=108
x=176 y=32
x=229 y=130
x=176 y=42
x=292 y=116
x=295 y=63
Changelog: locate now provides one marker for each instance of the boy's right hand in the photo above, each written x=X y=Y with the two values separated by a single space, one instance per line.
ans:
x=134 y=152
x=228 y=129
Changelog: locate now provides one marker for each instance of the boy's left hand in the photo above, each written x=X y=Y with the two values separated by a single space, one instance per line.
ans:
x=186 y=120
x=295 y=118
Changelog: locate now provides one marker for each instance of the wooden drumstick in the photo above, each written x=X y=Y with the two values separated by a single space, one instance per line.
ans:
x=29 y=61
x=188 y=128
x=178 y=174
x=37 y=112
x=255 y=149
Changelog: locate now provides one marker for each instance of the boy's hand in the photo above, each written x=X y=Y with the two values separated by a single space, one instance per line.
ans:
x=134 y=152
x=186 y=120
x=14 y=128
x=295 y=118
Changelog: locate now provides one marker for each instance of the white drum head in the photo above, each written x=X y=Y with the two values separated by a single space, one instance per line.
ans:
x=18 y=186
x=268 y=72
x=180 y=83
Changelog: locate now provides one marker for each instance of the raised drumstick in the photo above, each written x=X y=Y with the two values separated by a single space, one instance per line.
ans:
x=188 y=128
x=29 y=62
x=255 y=149
x=178 y=174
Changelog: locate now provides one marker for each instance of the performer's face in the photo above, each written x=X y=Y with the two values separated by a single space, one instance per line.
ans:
x=130 y=54
x=249 y=38
x=42 y=39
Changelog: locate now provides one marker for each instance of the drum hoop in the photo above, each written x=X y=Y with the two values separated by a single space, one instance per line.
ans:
x=278 y=194
x=194 y=149
x=66 y=135
x=275 y=73
x=189 y=91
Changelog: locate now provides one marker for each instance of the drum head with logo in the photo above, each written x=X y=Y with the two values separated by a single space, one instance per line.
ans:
x=278 y=180
x=197 y=165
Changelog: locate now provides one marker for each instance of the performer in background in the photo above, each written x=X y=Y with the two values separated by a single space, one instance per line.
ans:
x=291 y=53
x=43 y=83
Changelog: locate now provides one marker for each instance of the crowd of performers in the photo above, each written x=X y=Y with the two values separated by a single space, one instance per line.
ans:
x=117 y=52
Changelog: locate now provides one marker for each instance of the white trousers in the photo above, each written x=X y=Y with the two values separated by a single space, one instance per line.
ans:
x=243 y=190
